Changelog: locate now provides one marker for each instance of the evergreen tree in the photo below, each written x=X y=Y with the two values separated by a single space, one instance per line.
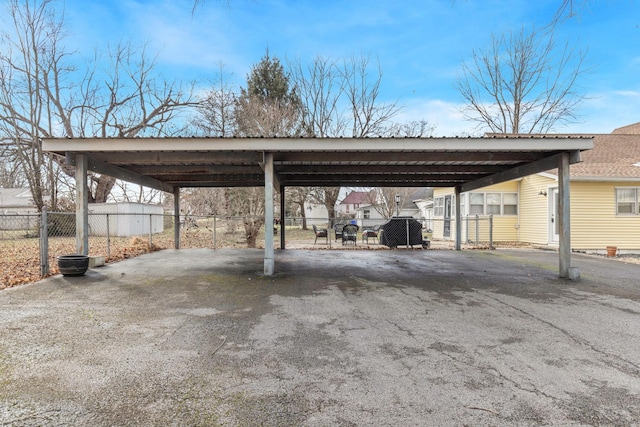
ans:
x=268 y=106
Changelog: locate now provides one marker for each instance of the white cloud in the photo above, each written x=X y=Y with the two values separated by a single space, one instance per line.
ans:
x=628 y=93
x=444 y=115
x=604 y=112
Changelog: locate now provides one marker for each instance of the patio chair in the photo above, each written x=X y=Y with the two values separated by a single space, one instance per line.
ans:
x=350 y=233
x=337 y=229
x=320 y=232
x=370 y=233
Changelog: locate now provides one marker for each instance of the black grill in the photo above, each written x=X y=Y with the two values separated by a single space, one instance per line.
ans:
x=394 y=232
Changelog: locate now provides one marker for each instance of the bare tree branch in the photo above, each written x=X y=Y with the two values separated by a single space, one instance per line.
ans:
x=42 y=95
x=521 y=84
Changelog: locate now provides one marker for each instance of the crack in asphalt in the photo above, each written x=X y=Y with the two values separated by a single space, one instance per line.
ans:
x=579 y=341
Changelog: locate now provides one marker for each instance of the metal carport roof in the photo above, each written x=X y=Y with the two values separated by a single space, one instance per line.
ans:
x=463 y=163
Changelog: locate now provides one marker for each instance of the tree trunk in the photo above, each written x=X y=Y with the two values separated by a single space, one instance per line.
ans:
x=251 y=229
x=103 y=189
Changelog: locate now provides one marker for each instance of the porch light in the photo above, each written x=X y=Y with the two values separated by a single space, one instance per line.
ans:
x=542 y=193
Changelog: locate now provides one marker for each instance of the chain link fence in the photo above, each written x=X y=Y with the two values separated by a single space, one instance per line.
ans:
x=30 y=243
x=19 y=249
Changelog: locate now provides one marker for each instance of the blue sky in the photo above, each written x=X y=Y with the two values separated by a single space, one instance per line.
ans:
x=420 y=44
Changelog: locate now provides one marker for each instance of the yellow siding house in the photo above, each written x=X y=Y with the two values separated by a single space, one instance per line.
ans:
x=605 y=202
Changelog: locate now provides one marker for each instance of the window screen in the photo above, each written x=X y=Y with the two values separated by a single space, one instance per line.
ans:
x=493 y=203
x=510 y=204
x=476 y=204
x=626 y=201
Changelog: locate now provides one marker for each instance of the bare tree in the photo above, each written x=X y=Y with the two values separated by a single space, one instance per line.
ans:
x=328 y=196
x=568 y=9
x=10 y=175
x=204 y=201
x=412 y=129
x=342 y=99
x=265 y=118
x=268 y=106
x=247 y=203
x=43 y=95
x=216 y=109
x=128 y=101
x=138 y=193
x=29 y=62
x=522 y=83
x=321 y=90
x=215 y=117
x=368 y=116
x=383 y=200
x=299 y=196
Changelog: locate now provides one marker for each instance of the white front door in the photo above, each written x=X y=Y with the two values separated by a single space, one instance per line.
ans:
x=447 y=217
x=554 y=223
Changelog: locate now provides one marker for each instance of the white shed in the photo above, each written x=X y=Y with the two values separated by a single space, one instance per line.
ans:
x=125 y=219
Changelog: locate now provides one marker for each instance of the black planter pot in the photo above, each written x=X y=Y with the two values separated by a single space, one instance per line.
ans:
x=73 y=265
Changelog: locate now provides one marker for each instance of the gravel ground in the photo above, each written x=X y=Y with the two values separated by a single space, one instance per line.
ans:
x=344 y=337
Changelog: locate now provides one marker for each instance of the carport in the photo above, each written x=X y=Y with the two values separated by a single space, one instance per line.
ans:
x=466 y=164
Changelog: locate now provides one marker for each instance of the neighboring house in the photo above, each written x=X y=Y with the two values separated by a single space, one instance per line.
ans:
x=368 y=216
x=16 y=201
x=353 y=201
x=417 y=204
x=605 y=201
x=316 y=213
x=17 y=210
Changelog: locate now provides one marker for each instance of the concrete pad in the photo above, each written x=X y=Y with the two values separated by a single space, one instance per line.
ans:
x=96 y=261
x=334 y=337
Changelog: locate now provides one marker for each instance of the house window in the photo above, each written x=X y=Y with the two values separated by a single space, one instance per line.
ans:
x=438 y=206
x=476 y=204
x=493 y=203
x=510 y=204
x=494 y=200
x=626 y=201
x=366 y=214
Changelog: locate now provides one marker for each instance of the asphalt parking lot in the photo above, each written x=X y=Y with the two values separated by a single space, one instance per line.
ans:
x=335 y=337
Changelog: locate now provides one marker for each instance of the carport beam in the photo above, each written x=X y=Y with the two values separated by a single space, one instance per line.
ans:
x=268 y=215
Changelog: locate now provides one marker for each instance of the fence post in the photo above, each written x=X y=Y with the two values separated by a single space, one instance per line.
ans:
x=490 y=231
x=466 y=220
x=215 y=232
x=407 y=223
x=150 y=231
x=44 y=244
x=477 y=229
x=108 y=238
